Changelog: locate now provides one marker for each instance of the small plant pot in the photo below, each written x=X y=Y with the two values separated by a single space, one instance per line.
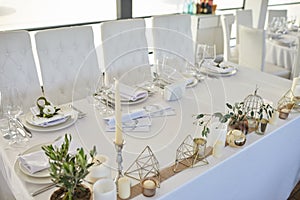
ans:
x=261 y=126
x=81 y=193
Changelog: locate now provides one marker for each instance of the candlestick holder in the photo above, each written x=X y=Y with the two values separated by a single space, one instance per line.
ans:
x=119 y=160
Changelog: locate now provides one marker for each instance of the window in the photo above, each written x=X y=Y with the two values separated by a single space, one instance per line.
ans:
x=32 y=14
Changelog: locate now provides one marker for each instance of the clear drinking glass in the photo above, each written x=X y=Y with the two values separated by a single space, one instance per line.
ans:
x=104 y=95
x=200 y=55
x=12 y=108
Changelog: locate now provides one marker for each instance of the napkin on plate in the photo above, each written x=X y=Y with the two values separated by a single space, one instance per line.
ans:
x=38 y=161
x=223 y=68
x=60 y=117
x=129 y=93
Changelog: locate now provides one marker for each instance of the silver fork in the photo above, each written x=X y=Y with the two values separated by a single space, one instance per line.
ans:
x=81 y=114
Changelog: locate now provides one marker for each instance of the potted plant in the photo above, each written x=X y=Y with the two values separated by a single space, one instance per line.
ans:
x=68 y=170
x=265 y=113
x=238 y=117
x=205 y=119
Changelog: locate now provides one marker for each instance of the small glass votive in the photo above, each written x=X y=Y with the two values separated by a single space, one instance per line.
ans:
x=199 y=147
x=149 y=186
x=285 y=110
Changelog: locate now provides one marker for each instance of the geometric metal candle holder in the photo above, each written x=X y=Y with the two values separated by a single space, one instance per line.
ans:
x=145 y=165
x=191 y=153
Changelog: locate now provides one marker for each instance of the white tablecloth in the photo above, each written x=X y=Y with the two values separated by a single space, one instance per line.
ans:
x=281 y=54
x=267 y=167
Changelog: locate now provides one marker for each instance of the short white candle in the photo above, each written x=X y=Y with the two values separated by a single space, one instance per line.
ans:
x=124 y=187
x=149 y=184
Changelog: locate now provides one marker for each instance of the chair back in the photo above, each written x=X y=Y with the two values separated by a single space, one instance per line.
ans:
x=252 y=47
x=227 y=21
x=259 y=11
x=125 y=50
x=172 y=37
x=68 y=62
x=243 y=17
x=17 y=66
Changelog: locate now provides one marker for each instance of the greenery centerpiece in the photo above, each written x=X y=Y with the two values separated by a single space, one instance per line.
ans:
x=68 y=170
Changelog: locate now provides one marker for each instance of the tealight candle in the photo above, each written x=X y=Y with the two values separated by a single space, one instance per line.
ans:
x=148 y=187
x=284 y=113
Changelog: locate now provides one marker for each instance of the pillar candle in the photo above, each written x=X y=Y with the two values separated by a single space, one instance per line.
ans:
x=124 y=187
x=296 y=86
x=118 y=114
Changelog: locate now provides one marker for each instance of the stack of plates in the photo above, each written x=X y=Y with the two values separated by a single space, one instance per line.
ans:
x=41 y=177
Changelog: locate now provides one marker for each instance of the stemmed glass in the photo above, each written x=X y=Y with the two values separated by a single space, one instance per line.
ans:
x=12 y=108
x=104 y=90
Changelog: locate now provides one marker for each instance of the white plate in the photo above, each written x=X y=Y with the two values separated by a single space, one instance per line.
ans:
x=213 y=73
x=38 y=178
x=70 y=121
x=126 y=102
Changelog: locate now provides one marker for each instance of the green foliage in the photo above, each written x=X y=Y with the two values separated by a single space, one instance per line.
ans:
x=68 y=170
x=205 y=119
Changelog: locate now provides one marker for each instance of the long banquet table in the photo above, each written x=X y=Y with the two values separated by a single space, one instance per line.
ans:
x=266 y=167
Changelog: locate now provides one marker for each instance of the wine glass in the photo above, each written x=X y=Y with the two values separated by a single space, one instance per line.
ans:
x=12 y=108
x=103 y=93
x=200 y=55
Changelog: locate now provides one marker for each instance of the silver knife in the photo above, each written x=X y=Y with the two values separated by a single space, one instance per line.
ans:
x=27 y=131
x=43 y=189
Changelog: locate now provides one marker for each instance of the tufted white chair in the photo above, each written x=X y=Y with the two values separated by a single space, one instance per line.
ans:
x=68 y=62
x=17 y=66
x=252 y=52
x=172 y=37
x=125 y=51
x=229 y=53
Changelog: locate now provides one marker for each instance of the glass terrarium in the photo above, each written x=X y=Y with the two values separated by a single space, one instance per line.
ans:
x=252 y=106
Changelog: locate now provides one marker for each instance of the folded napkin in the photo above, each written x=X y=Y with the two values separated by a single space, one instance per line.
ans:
x=222 y=68
x=159 y=110
x=288 y=42
x=60 y=117
x=129 y=93
x=126 y=117
x=141 y=124
x=38 y=161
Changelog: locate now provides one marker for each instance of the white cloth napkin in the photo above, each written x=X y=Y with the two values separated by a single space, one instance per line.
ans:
x=126 y=117
x=223 y=68
x=141 y=124
x=60 y=117
x=38 y=161
x=129 y=93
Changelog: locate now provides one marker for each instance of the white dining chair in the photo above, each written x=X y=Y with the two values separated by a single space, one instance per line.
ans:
x=245 y=18
x=259 y=11
x=17 y=66
x=172 y=38
x=252 y=52
x=229 y=53
x=210 y=32
x=125 y=51
x=68 y=62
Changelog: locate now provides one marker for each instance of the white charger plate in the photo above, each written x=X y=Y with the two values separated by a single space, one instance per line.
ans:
x=70 y=121
x=42 y=177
